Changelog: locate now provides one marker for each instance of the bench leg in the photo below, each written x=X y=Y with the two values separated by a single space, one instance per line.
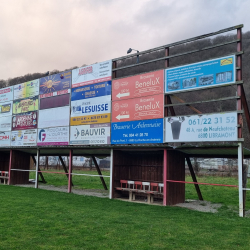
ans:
x=130 y=195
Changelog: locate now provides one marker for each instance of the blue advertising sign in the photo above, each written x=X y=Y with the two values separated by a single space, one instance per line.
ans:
x=137 y=132
x=55 y=82
x=204 y=74
x=93 y=90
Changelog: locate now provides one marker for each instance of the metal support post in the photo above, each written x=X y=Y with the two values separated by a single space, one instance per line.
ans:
x=99 y=172
x=10 y=162
x=240 y=167
x=111 y=175
x=70 y=170
x=37 y=167
x=165 y=170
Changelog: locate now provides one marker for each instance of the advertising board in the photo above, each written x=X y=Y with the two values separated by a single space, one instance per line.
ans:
x=20 y=91
x=204 y=74
x=151 y=83
x=24 y=137
x=5 y=123
x=24 y=121
x=98 y=72
x=90 y=134
x=53 y=136
x=6 y=108
x=57 y=82
x=25 y=105
x=150 y=107
x=54 y=102
x=6 y=94
x=202 y=128
x=32 y=88
x=137 y=132
x=61 y=92
x=90 y=119
x=5 y=139
x=90 y=91
x=56 y=117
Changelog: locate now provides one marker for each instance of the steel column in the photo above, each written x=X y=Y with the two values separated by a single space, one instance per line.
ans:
x=240 y=166
x=165 y=177
x=41 y=174
x=65 y=168
x=10 y=162
x=111 y=175
x=99 y=172
x=37 y=167
x=70 y=170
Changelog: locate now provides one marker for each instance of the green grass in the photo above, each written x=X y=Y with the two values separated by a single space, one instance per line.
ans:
x=40 y=219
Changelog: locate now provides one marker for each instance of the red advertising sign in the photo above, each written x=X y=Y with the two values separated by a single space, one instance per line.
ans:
x=61 y=92
x=144 y=108
x=54 y=102
x=151 y=83
x=24 y=121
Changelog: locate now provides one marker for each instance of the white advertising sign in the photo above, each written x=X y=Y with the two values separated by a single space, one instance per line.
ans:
x=90 y=74
x=6 y=94
x=6 y=108
x=54 y=117
x=53 y=136
x=202 y=128
x=19 y=91
x=5 y=123
x=24 y=137
x=93 y=134
x=91 y=106
x=5 y=139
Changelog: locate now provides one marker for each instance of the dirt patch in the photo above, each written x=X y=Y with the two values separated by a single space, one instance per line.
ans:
x=202 y=206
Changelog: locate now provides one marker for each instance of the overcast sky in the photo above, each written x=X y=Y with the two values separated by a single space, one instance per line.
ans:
x=42 y=35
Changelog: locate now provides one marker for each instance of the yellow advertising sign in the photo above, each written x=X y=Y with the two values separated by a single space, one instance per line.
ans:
x=90 y=119
x=25 y=105
x=226 y=61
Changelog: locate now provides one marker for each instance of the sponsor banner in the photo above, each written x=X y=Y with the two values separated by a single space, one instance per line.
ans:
x=53 y=136
x=5 y=123
x=6 y=94
x=90 y=91
x=24 y=121
x=202 y=128
x=53 y=117
x=54 y=83
x=61 y=92
x=151 y=83
x=32 y=88
x=6 y=108
x=25 y=105
x=24 y=137
x=54 y=102
x=98 y=72
x=204 y=74
x=5 y=139
x=137 y=132
x=93 y=106
x=90 y=134
x=150 y=107
x=90 y=119
x=20 y=91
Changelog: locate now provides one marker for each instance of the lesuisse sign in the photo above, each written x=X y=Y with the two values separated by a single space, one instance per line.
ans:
x=151 y=83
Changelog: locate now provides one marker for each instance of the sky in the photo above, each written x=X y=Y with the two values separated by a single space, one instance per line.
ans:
x=44 y=35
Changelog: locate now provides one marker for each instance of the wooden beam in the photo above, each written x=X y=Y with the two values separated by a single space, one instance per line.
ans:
x=41 y=174
x=65 y=168
x=194 y=178
x=99 y=172
x=188 y=105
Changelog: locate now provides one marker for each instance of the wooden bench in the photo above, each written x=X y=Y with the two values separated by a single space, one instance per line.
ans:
x=4 y=175
x=141 y=187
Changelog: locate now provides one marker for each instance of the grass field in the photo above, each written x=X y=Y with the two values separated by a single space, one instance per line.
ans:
x=40 y=219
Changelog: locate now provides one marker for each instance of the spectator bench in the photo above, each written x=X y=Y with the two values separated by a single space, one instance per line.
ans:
x=141 y=187
x=4 y=175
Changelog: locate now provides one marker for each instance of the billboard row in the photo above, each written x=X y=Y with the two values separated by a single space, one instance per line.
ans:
x=201 y=128
x=90 y=74
x=204 y=74
x=151 y=83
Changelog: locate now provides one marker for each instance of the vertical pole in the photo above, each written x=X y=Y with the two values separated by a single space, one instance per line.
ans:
x=37 y=167
x=111 y=175
x=114 y=72
x=165 y=177
x=10 y=162
x=166 y=66
x=70 y=170
x=240 y=165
